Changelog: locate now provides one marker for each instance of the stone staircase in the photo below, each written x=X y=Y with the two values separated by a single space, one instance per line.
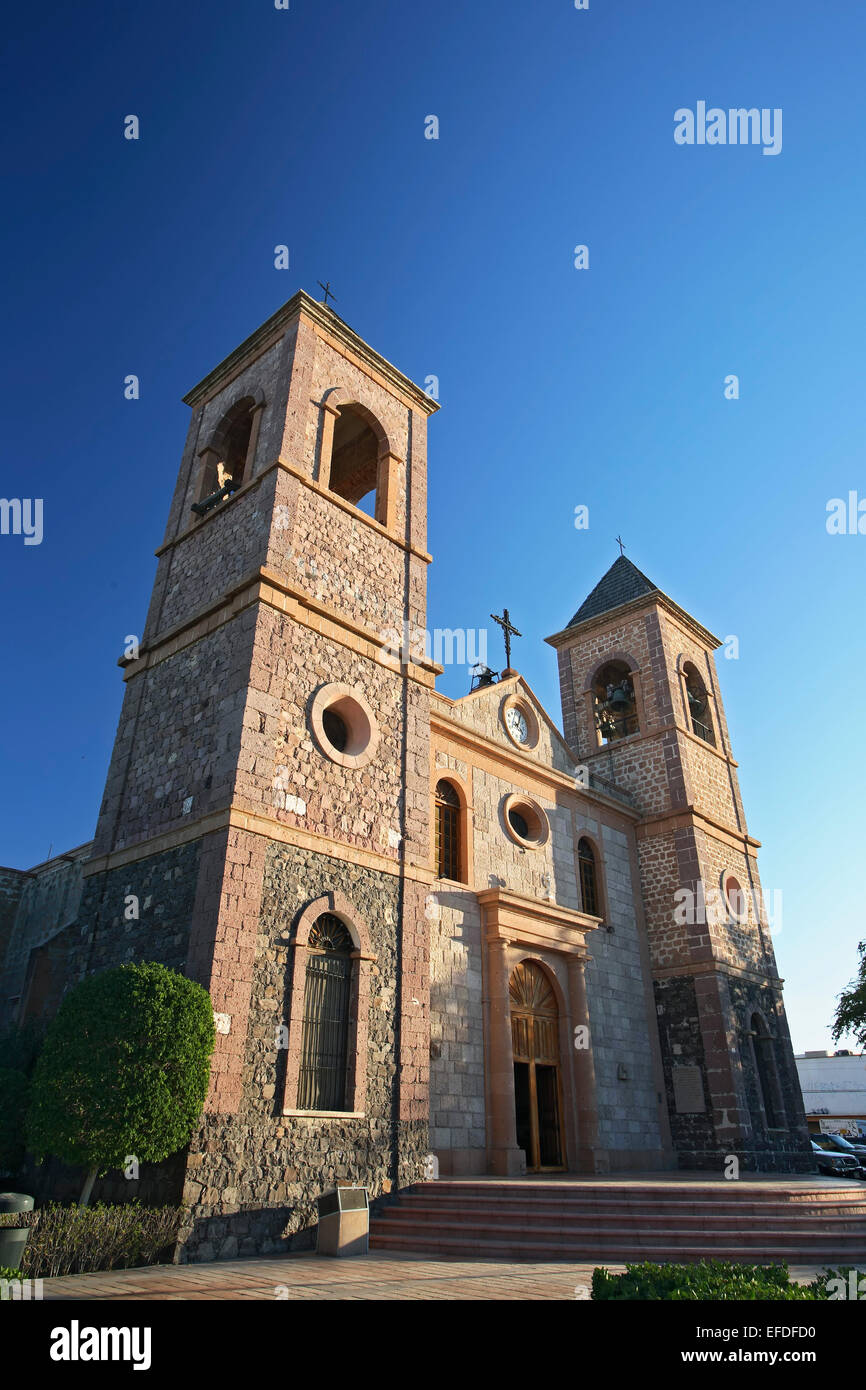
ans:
x=808 y=1221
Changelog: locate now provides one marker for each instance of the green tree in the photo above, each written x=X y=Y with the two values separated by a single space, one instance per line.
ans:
x=851 y=1008
x=124 y=1070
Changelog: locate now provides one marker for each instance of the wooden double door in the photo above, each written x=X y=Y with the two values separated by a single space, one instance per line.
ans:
x=537 y=1081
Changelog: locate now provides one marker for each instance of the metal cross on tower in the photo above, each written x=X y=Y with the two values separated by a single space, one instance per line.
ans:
x=509 y=631
x=328 y=294
x=619 y=542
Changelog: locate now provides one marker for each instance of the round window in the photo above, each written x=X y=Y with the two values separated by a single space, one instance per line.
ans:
x=344 y=725
x=525 y=821
x=336 y=730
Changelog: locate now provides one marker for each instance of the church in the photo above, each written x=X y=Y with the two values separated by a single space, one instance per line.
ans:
x=439 y=935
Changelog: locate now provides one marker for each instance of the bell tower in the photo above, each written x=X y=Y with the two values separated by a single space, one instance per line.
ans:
x=271 y=766
x=642 y=708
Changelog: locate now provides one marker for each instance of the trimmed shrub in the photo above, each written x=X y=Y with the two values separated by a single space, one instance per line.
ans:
x=711 y=1280
x=81 y=1240
x=124 y=1069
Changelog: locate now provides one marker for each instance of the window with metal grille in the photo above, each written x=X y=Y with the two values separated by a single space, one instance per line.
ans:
x=588 y=878
x=327 y=997
x=447 y=831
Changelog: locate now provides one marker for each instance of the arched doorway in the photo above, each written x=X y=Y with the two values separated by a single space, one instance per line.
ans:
x=537 y=1087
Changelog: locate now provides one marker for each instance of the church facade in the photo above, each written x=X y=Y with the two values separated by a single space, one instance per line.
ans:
x=430 y=927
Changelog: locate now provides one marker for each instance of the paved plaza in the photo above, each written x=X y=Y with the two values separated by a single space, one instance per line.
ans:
x=371 y=1277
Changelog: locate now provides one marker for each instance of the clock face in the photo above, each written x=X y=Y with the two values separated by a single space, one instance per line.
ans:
x=516 y=723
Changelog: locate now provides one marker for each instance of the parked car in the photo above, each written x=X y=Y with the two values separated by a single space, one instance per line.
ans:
x=829 y=1159
x=845 y=1146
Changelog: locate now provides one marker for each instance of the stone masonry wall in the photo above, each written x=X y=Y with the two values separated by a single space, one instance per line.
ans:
x=457 y=1087
x=282 y=770
x=178 y=737
x=47 y=902
x=253 y=1177
x=620 y=1022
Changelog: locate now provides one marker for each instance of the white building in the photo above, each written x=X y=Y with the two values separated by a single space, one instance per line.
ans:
x=834 y=1091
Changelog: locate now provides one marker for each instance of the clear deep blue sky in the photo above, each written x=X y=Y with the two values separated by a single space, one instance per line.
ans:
x=455 y=258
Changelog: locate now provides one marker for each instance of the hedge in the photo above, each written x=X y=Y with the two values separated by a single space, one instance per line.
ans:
x=81 y=1240
x=711 y=1280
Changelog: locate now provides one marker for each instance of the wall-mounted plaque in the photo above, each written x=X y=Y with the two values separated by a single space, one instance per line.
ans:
x=688 y=1090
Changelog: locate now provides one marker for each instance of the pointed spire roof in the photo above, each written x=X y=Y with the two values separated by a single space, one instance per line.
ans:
x=622 y=583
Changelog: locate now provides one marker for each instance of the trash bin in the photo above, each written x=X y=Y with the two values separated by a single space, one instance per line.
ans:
x=344 y=1222
x=13 y=1238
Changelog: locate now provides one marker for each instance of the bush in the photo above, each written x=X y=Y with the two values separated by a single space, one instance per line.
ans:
x=124 y=1069
x=81 y=1240
x=711 y=1280
x=14 y=1098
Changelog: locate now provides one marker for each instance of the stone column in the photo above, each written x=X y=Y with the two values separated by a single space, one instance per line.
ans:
x=506 y=1159
x=206 y=482
x=326 y=445
x=590 y=1158
x=250 y=460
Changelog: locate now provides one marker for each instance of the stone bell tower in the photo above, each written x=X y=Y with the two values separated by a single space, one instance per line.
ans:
x=642 y=707
x=272 y=758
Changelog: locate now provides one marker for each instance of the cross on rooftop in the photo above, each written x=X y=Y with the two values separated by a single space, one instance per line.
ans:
x=509 y=630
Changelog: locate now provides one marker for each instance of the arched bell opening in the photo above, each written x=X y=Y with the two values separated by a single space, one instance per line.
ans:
x=614 y=702
x=698 y=701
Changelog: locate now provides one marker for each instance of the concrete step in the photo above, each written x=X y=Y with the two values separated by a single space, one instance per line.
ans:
x=690 y=1221
x=443 y=1217
x=730 y=1201
x=617 y=1251
x=850 y=1189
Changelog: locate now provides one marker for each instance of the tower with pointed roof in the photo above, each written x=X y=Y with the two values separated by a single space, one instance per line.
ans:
x=642 y=707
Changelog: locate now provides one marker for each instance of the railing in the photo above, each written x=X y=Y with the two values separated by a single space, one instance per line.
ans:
x=703 y=731
x=612 y=727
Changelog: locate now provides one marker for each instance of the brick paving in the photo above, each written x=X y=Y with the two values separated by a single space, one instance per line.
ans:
x=375 y=1277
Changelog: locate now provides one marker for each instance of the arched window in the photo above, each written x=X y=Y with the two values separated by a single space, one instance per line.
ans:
x=354 y=460
x=327 y=998
x=589 y=894
x=699 y=704
x=765 y=1065
x=225 y=460
x=447 y=831
x=237 y=442
x=614 y=702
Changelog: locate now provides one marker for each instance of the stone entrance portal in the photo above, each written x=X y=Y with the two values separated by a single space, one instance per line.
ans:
x=540 y=1075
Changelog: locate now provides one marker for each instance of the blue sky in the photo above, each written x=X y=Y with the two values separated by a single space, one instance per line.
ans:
x=454 y=257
